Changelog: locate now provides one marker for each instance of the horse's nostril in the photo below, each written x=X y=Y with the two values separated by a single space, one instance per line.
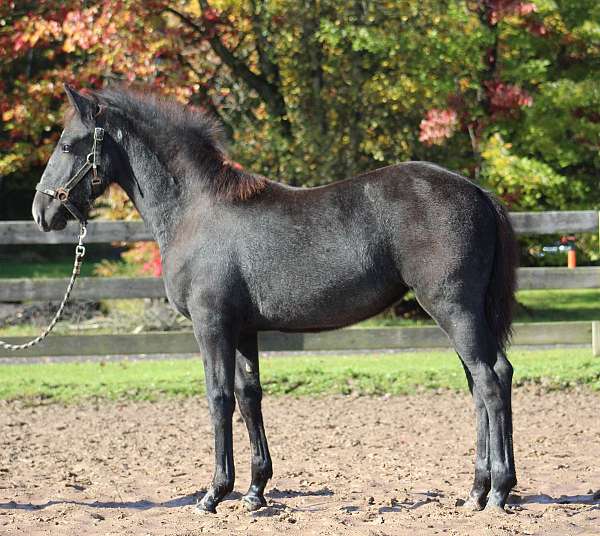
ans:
x=37 y=217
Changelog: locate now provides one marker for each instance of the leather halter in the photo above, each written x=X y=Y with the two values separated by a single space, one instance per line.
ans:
x=92 y=161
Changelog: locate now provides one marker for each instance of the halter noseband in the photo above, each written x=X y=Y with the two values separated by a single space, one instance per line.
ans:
x=92 y=161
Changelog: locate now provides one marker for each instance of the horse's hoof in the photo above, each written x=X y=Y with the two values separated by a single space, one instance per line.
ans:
x=253 y=502
x=206 y=506
x=495 y=509
x=473 y=505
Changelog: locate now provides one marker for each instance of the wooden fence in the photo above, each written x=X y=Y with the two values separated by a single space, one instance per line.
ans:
x=99 y=231
x=530 y=223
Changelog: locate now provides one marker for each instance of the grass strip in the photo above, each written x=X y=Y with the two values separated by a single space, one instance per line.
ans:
x=374 y=374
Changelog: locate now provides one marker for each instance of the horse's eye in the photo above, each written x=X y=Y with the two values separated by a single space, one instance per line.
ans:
x=66 y=148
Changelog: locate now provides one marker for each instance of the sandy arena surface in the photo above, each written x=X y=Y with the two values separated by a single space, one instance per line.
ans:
x=343 y=465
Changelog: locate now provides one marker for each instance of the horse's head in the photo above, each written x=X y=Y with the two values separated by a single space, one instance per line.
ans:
x=79 y=169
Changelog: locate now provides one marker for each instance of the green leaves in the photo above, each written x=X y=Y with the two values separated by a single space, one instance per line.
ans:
x=524 y=183
x=318 y=90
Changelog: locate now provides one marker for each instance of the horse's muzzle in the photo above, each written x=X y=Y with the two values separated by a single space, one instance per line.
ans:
x=48 y=213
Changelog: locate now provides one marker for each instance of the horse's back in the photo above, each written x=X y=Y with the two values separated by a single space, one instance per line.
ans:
x=326 y=257
x=333 y=255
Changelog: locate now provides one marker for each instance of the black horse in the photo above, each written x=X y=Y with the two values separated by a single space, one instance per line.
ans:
x=243 y=254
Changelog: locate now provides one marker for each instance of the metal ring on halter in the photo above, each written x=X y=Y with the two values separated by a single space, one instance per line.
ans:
x=62 y=194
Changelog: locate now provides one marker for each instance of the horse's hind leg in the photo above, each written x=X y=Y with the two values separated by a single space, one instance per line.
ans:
x=248 y=392
x=477 y=348
x=482 y=481
x=464 y=322
x=504 y=372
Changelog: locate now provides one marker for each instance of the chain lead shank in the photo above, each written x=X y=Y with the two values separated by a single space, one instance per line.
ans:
x=79 y=254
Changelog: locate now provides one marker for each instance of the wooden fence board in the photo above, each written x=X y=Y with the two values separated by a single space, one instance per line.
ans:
x=580 y=221
x=101 y=231
x=556 y=278
x=346 y=339
x=86 y=288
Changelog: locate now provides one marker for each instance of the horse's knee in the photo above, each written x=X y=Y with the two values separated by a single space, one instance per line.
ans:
x=221 y=404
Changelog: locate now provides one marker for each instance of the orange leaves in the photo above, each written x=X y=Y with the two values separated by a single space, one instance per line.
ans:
x=147 y=256
x=57 y=42
x=29 y=31
x=18 y=113
x=78 y=29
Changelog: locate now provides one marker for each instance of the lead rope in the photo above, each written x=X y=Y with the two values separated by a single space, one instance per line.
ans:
x=79 y=254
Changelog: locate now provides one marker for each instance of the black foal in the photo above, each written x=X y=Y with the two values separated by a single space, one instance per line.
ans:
x=242 y=254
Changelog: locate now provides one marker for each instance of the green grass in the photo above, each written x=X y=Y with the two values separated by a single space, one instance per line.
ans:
x=558 y=305
x=373 y=374
x=534 y=306
x=61 y=268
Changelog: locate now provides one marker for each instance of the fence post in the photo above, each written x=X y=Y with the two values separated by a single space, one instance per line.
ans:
x=596 y=338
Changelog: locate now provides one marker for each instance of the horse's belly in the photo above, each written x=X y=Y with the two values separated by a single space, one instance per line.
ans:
x=309 y=302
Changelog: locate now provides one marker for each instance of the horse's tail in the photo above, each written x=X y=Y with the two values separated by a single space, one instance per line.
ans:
x=500 y=296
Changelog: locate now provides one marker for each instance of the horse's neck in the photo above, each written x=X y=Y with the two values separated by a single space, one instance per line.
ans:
x=158 y=197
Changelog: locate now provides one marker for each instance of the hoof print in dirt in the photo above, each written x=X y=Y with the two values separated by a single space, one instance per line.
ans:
x=252 y=503
x=494 y=509
x=471 y=505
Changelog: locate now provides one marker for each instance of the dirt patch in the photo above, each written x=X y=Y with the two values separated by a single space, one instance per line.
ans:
x=376 y=466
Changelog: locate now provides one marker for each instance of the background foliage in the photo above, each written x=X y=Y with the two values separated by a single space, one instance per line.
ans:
x=311 y=91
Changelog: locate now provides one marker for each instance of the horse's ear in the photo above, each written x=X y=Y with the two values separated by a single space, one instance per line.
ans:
x=83 y=105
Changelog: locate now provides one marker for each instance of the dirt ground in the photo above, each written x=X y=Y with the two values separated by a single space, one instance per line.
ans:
x=343 y=465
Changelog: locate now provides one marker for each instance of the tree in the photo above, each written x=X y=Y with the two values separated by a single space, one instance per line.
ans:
x=530 y=112
x=45 y=44
x=312 y=91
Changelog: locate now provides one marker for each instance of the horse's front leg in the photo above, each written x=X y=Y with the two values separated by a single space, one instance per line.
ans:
x=217 y=344
x=249 y=396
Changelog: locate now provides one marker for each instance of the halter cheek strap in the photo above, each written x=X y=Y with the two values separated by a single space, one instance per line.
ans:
x=92 y=162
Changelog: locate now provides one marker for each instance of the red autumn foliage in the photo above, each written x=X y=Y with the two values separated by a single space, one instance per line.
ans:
x=437 y=126
x=496 y=10
x=506 y=98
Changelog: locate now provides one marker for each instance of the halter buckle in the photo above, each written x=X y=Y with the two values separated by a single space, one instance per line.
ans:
x=62 y=194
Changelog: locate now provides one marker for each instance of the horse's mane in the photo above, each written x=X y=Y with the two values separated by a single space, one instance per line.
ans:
x=185 y=139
